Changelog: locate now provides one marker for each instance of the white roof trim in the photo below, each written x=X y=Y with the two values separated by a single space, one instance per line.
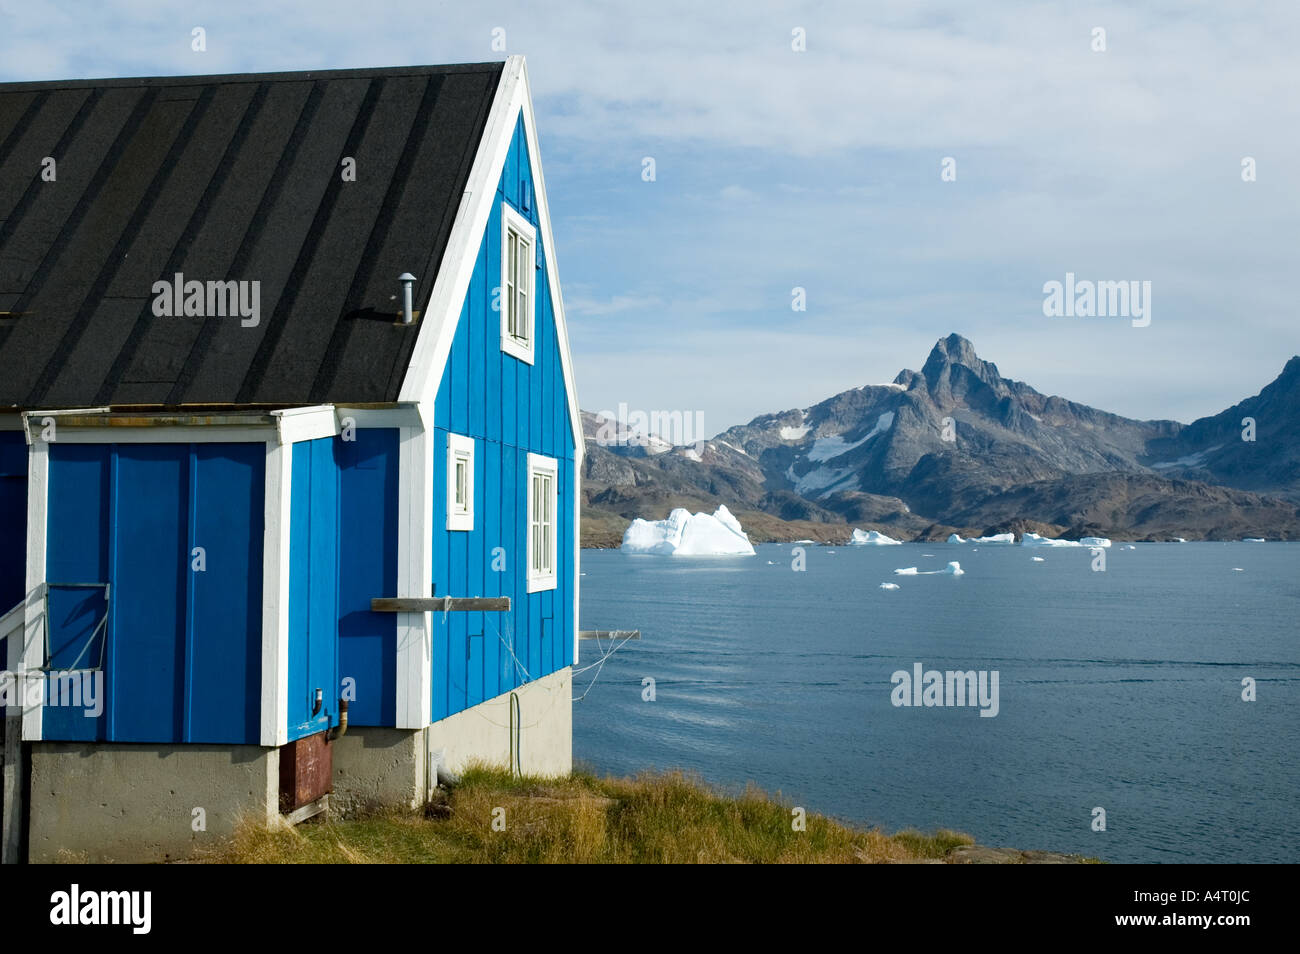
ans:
x=442 y=311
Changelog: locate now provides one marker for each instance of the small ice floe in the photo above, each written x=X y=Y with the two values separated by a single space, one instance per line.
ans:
x=889 y=586
x=1130 y=547
x=952 y=569
x=1037 y=559
x=1239 y=569
x=994 y=538
x=927 y=554
x=872 y=538
x=770 y=563
x=1180 y=539
x=1253 y=540
x=805 y=541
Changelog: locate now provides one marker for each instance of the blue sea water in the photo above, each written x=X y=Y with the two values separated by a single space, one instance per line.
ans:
x=1119 y=689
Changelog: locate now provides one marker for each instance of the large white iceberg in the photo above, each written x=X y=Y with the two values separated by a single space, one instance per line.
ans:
x=1034 y=540
x=687 y=534
x=872 y=538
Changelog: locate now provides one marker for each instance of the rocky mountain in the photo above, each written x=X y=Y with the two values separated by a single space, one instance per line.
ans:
x=958 y=446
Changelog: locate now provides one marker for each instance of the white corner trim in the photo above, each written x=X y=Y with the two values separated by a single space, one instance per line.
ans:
x=442 y=312
x=33 y=641
x=275 y=593
x=512 y=221
x=305 y=423
x=577 y=552
x=460 y=447
x=540 y=464
x=414 y=704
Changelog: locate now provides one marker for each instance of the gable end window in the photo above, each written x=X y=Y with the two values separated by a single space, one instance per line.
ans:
x=460 y=482
x=518 y=257
x=543 y=522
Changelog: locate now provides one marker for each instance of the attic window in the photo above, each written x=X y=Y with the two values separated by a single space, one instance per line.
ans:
x=518 y=251
x=460 y=482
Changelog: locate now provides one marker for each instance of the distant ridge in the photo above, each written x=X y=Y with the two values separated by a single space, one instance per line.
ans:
x=957 y=446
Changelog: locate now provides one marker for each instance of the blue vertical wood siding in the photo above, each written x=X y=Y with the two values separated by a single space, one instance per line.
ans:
x=181 y=647
x=368 y=474
x=313 y=588
x=510 y=408
x=13 y=521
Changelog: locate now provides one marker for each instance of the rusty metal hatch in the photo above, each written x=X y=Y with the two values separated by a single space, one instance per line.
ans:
x=306 y=771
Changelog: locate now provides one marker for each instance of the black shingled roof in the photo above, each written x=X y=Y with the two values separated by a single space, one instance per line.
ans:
x=226 y=178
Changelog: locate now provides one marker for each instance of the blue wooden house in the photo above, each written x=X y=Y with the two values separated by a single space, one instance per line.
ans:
x=281 y=356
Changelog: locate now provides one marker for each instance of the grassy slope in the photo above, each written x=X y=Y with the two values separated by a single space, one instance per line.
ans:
x=654 y=818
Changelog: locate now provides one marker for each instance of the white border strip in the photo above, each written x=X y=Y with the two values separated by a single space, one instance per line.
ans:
x=414 y=705
x=33 y=649
x=275 y=594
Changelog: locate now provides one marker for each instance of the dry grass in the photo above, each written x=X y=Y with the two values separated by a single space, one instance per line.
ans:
x=654 y=818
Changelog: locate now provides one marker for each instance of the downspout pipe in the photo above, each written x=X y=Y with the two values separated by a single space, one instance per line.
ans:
x=341 y=729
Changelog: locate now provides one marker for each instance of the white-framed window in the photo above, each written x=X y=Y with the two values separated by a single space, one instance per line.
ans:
x=543 y=521
x=460 y=482
x=518 y=258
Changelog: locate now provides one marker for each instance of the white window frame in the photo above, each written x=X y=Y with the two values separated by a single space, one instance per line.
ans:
x=460 y=448
x=512 y=221
x=541 y=578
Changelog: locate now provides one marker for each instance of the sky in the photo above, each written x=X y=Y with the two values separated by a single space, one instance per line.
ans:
x=803 y=146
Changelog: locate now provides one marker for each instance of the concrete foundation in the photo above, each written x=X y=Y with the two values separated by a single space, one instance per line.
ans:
x=482 y=733
x=376 y=766
x=137 y=803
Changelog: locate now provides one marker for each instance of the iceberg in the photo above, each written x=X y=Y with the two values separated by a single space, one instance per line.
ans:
x=874 y=537
x=686 y=534
x=1034 y=540
x=952 y=569
x=1037 y=559
x=889 y=586
x=995 y=538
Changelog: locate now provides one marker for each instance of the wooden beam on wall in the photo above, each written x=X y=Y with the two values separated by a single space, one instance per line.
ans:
x=441 y=604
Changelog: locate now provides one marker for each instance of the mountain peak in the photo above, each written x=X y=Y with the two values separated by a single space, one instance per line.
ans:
x=952 y=352
x=954 y=349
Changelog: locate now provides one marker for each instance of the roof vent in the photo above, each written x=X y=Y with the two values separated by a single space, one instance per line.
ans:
x=408 y=283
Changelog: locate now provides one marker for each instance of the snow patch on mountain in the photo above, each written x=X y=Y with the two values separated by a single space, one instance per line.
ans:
x=827 y=448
